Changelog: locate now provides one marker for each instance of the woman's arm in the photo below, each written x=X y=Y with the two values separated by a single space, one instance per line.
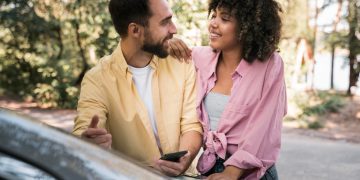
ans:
x=261 y=141
x=230 y=172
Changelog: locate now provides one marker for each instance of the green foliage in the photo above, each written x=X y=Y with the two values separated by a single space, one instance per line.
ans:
x=328 y=105
x=314 y=104
x=191 y=18
x=319 y=102
x=45 y=44
x=294 y=19
x=315 y=125
x=339 y=39
x=46 y=95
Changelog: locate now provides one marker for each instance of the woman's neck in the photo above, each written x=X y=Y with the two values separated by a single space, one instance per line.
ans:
x=231 y=58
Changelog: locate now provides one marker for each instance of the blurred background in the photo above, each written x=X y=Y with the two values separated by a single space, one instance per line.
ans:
x=46 y=47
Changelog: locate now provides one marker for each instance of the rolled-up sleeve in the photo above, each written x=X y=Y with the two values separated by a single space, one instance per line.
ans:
x=189 y=118
x=260 y=146
x=91 y=102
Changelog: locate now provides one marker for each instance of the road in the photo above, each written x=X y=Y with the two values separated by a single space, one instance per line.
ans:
x=311 y=158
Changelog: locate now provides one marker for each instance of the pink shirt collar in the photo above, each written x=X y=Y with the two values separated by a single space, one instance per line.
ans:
x=242 y=69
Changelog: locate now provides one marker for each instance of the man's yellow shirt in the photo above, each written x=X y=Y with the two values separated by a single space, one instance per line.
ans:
x=108 y=91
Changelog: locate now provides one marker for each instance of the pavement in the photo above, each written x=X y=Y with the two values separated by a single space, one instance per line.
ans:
x=312 y=158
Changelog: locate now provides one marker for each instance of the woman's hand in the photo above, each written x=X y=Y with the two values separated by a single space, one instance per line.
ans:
x=230 y=173
x=179 y=50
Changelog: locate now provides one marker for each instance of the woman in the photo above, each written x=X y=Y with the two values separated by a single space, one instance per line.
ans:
x=241 y=89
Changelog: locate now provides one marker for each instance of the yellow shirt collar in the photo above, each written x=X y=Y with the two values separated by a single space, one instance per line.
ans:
x=118 y=59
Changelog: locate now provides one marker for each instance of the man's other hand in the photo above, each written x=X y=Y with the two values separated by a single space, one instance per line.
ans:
x=97 y=135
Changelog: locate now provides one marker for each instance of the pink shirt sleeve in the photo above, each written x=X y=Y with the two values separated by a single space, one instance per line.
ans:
x=260 y=145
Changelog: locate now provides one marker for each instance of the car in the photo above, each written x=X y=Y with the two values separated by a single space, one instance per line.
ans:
x=33 y=150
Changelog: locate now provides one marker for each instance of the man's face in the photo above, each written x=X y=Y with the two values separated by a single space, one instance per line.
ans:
x=159 y=30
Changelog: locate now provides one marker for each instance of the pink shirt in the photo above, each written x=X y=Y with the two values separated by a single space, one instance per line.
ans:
x=249 y=129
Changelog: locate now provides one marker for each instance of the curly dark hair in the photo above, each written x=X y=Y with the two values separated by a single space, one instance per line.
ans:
x=258 y=24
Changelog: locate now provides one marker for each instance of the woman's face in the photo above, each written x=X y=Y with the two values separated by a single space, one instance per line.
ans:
x=222 y=30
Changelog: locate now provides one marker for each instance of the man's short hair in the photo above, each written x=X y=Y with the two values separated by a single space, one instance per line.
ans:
x=124 y=12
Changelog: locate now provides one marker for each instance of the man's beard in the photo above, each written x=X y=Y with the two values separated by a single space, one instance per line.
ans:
x=157 y=48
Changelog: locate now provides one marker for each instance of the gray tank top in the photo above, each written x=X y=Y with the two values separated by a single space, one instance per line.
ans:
x=215 y=104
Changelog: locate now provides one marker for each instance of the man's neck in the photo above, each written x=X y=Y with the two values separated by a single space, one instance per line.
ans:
x=134 y=55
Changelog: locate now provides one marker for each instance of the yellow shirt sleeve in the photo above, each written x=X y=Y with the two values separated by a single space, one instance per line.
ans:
x=189 y=118
x=91 y=102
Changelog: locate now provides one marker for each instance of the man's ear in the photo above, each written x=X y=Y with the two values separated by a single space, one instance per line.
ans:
x=135 y=30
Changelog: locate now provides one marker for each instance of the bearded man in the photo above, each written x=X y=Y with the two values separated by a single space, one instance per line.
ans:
x=137 y=100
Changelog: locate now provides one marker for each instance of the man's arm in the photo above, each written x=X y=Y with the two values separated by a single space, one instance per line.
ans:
x=191 y=130
x=91 y=118
x=191 y=142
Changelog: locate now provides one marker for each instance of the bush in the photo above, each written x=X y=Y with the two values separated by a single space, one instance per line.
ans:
x=48 y=86
x=314 y=104
x=64 y=95
x=327 y=103
x=315 y=125
x=69 y=96
x=46 y=95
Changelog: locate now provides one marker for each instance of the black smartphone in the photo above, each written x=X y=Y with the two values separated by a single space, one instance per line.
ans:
x=174 y=157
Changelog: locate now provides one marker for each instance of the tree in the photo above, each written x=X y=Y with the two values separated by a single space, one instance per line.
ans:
x=46 y=46
x=296 y=45
x=334 y=43
x=26 y=45
x=353 y=42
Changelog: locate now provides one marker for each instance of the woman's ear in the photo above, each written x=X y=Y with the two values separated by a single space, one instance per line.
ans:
x=134 y=30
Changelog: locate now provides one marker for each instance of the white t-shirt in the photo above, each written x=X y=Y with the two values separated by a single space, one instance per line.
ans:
x=142 y=78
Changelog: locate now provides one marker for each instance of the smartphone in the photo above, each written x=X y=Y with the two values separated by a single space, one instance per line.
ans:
x=174 y=157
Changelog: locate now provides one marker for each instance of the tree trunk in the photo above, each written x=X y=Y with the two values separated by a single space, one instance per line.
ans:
x=317 y=10
x=332 y=66
x=353 y=41
x=307 y=16
x=352 y=78
x=85 y=65
x=333 y=45
x=61 y=45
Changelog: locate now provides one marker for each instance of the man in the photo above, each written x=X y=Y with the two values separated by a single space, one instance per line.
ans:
x=136 y=102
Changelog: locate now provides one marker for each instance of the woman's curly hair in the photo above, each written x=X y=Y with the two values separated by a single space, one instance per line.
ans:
x=258 y=24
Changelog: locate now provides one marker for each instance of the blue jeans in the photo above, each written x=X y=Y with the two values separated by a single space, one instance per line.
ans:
x=270 y=174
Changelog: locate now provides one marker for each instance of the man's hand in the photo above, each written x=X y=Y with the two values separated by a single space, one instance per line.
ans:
x=179 y=50
x=173 y=168
x=97 y=135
